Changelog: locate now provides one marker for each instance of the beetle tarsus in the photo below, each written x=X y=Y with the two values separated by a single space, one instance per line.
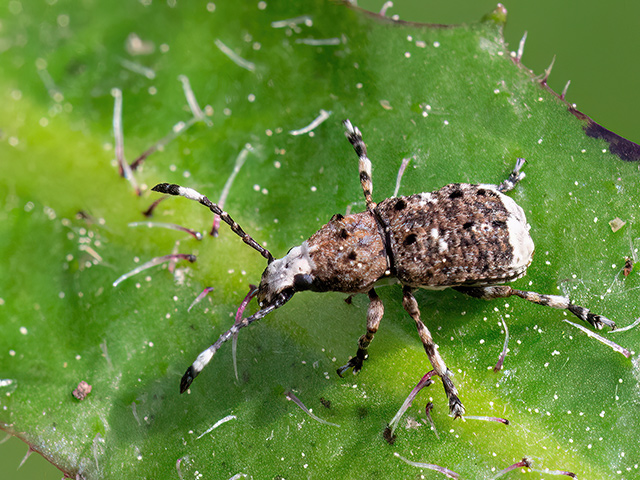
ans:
x=456 y=408
x=597 y=321
x=355 y=363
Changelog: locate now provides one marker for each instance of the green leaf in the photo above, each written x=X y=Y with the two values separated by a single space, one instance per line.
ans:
x=452 y=99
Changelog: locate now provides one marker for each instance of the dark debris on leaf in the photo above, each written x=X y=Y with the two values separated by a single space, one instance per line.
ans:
x=82 y=390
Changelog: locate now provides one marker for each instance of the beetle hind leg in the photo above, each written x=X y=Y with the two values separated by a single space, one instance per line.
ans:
x=411 y=306
x=374 y=316
x=554 y=301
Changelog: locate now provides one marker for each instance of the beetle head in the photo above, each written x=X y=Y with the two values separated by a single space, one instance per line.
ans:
x=285 y=276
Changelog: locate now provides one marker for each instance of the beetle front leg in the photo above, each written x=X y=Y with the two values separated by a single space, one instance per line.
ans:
x=411 y=306
x=374 y=315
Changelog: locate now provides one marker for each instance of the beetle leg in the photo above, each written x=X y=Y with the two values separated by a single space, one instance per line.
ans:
x=555 y=301
x=411 y=306
x=355 y=137
x=374 y=315
x=515 y=176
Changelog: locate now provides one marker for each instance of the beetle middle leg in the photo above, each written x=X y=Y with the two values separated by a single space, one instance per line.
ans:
x=555 y=301
x=374 y=315
x=411 y=306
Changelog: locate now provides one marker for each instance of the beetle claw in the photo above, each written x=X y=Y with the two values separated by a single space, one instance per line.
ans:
x=355 y=363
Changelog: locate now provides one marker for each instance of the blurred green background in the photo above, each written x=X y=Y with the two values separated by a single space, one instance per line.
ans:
x=595 y=46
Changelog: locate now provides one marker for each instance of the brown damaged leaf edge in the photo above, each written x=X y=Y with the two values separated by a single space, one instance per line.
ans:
x=620 y=146
x=625 y=149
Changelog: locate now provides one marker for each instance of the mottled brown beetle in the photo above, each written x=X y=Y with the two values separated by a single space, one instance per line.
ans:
x=468 y=237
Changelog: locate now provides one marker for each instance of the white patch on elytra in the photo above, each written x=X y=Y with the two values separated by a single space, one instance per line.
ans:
x=425 y=198
x=490 y=186
x=519 y=237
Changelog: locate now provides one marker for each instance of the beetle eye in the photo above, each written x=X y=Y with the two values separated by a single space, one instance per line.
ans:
x=302 y=281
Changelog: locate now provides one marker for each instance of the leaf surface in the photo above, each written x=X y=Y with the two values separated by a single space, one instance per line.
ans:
x=450 y=98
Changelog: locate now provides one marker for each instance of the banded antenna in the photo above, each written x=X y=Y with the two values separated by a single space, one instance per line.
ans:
x=205 y=357
x=191 y=194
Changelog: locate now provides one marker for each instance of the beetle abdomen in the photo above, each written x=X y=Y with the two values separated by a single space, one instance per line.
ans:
x=459 y=235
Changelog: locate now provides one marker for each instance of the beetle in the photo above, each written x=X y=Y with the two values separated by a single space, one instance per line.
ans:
x=469 y=237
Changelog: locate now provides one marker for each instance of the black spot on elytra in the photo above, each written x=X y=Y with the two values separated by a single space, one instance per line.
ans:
x=343 y=233
x=410 y=239
x=400 y=205
x=456 y=194
x=499 y=224
x=467 y=225
x=352 y=256
x=482 y=192
x=364 y=177
x=337 y=217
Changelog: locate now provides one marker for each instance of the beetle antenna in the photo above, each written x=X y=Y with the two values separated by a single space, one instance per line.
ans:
x=191 y=194
x=205 y=357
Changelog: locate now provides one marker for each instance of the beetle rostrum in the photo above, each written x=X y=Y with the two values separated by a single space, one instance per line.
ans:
x=472 y=238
